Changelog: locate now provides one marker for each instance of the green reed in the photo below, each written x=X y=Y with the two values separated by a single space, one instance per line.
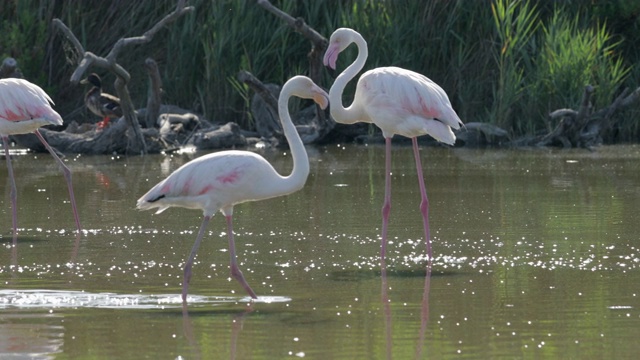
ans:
x=505 y=61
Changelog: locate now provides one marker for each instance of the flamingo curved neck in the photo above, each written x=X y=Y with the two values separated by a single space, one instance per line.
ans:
x=298 y=176
x=350 y=114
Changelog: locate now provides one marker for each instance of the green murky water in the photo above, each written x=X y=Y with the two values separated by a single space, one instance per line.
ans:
x=536 y=255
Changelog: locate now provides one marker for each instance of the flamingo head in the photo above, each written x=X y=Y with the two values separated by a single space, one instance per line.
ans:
x=340 y=39
x=305 y=88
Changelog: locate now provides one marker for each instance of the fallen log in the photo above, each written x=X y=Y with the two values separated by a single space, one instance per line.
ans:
x=135 y=143
x=224 y=137
x=585 y=128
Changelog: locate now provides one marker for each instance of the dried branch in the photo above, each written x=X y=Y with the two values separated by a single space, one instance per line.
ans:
x=155 y=92
x=562 y=113
x=134 y=134
x=149 y=34
x=297 y=23
x=69 y=35
x=585 y=128
x=633 y=97
x=10 y=69
x=318 y=47
x=260 y=89
x=319 y=42
x=585 y=104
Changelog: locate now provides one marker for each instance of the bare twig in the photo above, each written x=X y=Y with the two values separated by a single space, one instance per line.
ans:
x=149 y=34
x=562 y=113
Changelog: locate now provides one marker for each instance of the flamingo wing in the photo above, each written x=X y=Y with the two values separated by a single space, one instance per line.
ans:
x=404 y=102
x=21 y=100
x=212 y=182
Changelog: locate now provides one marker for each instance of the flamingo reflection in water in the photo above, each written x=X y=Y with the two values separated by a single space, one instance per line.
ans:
x=386 y=306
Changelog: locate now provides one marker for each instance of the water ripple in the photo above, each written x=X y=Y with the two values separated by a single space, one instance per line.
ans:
x=80 y=299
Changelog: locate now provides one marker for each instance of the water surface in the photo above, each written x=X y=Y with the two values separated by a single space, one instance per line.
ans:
x=536 y=255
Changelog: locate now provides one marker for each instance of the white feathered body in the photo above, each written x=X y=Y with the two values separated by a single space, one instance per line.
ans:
x=406 y=103
x=398 y=101
x=218 y=181
x=24 y=107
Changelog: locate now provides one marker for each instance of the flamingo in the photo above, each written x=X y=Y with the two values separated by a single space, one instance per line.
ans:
x=25 y=107
x=398 y=101
x=220 y=180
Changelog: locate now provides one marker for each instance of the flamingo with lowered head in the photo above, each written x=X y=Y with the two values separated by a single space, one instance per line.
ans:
x=220 y=180
x=398 y=101
x=25 y=107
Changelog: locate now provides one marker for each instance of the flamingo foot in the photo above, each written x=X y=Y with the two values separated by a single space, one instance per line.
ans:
x=237 y=274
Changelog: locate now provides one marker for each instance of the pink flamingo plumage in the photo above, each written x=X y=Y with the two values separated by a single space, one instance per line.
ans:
x=25 y=107
x=220 y=180
x=398 y=101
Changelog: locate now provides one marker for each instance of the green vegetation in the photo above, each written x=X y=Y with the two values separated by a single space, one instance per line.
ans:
x=509 y=62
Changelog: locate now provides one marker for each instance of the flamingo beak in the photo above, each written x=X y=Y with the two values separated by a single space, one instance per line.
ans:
x=321 y=98
x=331 y=56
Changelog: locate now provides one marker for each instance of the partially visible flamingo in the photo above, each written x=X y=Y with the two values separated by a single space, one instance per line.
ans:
x=398 y=101
x=25 y=107
x=220 y=180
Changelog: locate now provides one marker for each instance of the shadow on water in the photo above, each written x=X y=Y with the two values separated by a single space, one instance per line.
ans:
x=366 y=274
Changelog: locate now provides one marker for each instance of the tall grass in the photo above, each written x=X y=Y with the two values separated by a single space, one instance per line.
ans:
x=545 y=64
x=505 y=61
x=516 y=23
x=570 y=58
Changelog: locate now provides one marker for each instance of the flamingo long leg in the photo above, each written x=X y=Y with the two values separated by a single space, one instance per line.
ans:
x=67 y=176
x=235 y=270
x=14 y=192
x=192 y=256
x=386 y=206
x=424 y=203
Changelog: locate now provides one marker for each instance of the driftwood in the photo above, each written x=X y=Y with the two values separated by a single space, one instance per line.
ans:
x=475 y=134
x=264 y=109
x=135 y=139
x=10 y=69
x=318 y=42
x=177 y=129
x=264 y=105
x=226 y=136
x=584 y=127
x=154 y=99
x=108 y=141
x=314 y=124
